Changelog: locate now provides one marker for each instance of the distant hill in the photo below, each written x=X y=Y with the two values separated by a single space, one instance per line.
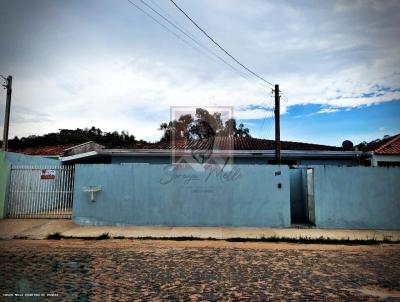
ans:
x=77 y=136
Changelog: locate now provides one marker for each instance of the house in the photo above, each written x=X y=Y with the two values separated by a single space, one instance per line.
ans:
x=243 y=150
x=385 y=152
x=324 y=186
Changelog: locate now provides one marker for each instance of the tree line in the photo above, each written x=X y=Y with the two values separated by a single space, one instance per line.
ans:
x=72 y=137
x=202 y=125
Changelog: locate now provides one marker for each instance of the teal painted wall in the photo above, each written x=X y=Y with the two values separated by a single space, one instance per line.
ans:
x=141 y=159
x=237 y=160
x=332 y=162
x=157 y=160
x=22 y=159
x=143 y=194
x=357 y=197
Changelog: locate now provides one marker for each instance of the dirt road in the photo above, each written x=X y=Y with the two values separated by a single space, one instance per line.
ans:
x=125 y=270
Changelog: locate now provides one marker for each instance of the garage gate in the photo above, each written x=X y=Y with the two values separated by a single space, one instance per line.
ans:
x=40 y=192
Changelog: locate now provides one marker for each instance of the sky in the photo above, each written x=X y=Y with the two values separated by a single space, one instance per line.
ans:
x=105 y=63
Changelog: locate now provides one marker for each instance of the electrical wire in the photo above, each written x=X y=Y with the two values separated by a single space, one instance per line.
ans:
x=175 y=25
x=268 y=117
x=162 y=25
x=285 y=99
x=179 y=27
x=217 y=44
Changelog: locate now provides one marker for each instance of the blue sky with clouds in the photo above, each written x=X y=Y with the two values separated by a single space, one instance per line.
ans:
x=104 y=63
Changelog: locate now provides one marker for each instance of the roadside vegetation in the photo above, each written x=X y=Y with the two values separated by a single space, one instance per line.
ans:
x=303 y=240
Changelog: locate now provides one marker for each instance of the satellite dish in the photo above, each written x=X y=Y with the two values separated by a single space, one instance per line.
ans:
x=347 y=145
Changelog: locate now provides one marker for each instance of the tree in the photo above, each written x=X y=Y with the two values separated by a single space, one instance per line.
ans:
x=203 y=125
x=241 y=131
x=180 y=128
x=231 y=129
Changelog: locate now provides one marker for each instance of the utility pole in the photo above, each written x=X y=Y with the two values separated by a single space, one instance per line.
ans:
x=277 y=127
x=7 y=85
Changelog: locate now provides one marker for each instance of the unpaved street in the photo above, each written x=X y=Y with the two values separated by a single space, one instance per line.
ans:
x=125 y=270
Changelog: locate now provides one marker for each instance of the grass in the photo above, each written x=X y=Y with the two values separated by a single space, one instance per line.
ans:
x=55 y=236
x=309 y=240
x=178 y=238
x=303 y=240
x=59 y=236
x=20 y=237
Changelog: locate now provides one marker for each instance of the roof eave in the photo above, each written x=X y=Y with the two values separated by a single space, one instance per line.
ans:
x=79 y=156
x=236 y=153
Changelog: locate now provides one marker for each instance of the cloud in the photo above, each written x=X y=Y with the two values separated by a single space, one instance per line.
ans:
x=125 y=94
x=328 y=110
x=114 y=68
x=251 y=114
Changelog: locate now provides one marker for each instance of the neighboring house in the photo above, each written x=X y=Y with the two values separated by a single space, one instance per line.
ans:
x=243 y=150
x=385 y=152
x=81 y=148
x=59 y=150
x=46 y=151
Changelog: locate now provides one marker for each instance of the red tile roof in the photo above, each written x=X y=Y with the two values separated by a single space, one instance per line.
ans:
x=218 y=143
x=238 y=143
x=386 y=146
x=372 y=146
x=391 y=147
x=48 y=150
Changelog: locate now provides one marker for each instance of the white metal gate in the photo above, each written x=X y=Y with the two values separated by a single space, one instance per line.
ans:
x=40 y=192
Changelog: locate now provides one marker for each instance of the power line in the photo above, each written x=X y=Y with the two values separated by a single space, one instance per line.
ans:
x=165 y=12
x=179 y=27
x=268 y=117
x=175 y=25
x=242 y=74
x=285 y=99
x=216 y=43
x=165 y=27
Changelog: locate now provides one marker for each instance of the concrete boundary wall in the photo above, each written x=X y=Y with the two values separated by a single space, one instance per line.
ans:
x=29 y=160
x=143 y=194
x=357 y=197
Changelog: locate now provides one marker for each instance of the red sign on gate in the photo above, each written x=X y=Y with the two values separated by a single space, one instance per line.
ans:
x=48 y=174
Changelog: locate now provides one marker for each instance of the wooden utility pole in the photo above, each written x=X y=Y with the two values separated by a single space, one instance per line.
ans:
x=8 y=86
x=277 y=127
